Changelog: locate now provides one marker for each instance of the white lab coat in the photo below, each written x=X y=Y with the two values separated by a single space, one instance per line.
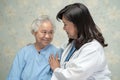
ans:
x=87 y=63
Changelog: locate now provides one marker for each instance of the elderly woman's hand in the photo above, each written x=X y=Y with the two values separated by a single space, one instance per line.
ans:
x=54 y=62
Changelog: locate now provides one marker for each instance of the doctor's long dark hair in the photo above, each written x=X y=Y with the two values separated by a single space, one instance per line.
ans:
x=79 y=15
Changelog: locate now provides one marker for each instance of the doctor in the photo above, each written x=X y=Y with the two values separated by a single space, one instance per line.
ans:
x=83 y=58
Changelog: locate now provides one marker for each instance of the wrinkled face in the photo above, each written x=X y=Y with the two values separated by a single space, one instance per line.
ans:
x=70 y=28
x=44 y=35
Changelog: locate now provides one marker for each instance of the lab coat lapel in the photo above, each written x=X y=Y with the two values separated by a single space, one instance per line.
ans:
x=65 y=52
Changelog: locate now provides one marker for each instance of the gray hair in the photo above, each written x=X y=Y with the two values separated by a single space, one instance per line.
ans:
x=37 y=22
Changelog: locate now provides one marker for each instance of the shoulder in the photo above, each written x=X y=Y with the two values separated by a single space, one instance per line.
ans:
x=94 y=45
x=93 y=51
x=53 y=47
x=25 y=49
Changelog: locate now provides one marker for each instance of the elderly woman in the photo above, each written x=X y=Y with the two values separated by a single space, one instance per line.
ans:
x=31 y=62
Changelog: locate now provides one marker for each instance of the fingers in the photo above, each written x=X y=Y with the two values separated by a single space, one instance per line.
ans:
x=52 y=59
x=54 y=62
x=56 y=57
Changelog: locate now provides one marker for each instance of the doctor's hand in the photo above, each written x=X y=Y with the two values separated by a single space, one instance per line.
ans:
x=54 y=62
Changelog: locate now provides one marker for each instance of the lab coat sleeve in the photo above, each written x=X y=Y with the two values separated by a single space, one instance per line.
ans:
x=81 y=67
x=17 y=67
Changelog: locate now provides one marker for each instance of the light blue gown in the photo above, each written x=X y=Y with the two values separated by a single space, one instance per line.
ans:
x=29 y=65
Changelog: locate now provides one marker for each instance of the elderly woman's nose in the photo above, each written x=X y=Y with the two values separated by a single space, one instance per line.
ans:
x=47 y=35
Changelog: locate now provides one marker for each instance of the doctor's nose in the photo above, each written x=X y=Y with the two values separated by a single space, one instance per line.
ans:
x=64 y=28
